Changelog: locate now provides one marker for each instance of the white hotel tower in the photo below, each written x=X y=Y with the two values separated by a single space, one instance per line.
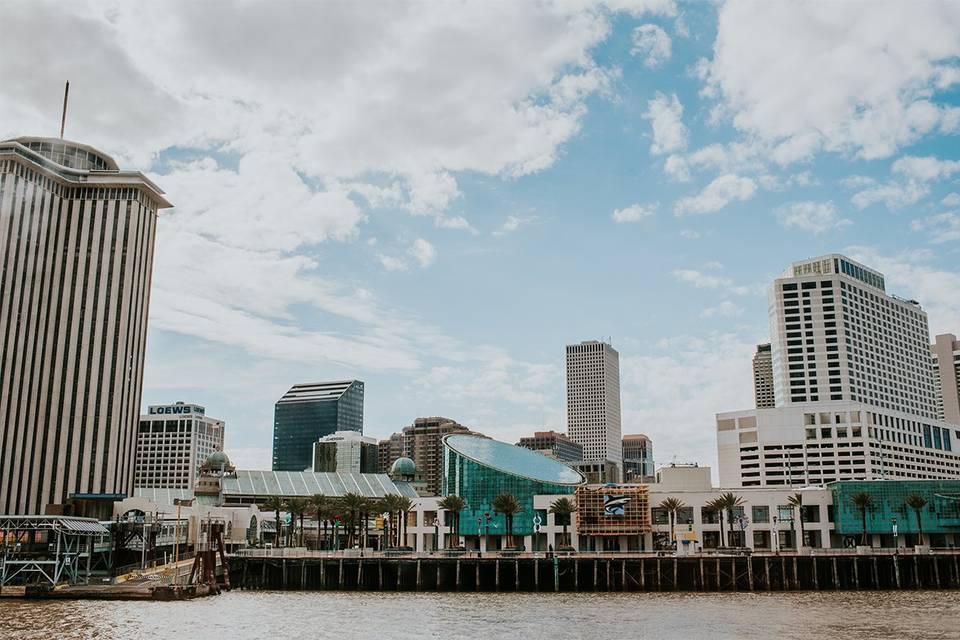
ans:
x=854 y=388
x=593 y=401
x=76 y=255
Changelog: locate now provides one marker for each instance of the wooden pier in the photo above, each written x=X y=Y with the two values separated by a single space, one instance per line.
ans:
x=601 y=573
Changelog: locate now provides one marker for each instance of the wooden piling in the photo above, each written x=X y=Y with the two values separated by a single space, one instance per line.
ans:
x=750 y=572
x=496 y=575
x=340 y=575
x=659 y=576
x=796 y=575
x=594 y=575
x=836 y=574
x=703 y=577
x=896 y=571
x=936 y=571
x=607 y=580
x=623 y=575
x=719 y=586
x=284 y=584
x=420 y=575
x=516 y=575
x=643 y=575
x=856 y=574
x=458 y=574
x=917 y=580
x=766 y=569
x=675 y=586
x=380 y=574
x=813 y=568
x=477 y=575
x=303 y=575
x=876 y=572
x=576 y=575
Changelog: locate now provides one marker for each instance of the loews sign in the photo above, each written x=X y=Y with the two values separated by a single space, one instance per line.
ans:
x=174 y=409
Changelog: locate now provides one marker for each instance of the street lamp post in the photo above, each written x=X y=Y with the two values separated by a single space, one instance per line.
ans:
x=896 y=545
x=776 y=536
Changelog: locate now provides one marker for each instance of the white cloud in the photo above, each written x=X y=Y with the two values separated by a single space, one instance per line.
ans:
x=944 y=227
x=673 y=391
x=913 y=175
x=951 y=200
x=423 y=252
x=665 y=115
x=454 y=222
x=676 y=168
x=391 y=263
x=702 y=280
x=716 y=195
x=815 y=217
x=635 y=212
x=725 y=309
x=842 y=76
x=689 y=234
x=512 y=223
x=652 y=43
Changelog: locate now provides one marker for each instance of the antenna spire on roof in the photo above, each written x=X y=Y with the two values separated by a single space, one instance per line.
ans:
x=63 y=118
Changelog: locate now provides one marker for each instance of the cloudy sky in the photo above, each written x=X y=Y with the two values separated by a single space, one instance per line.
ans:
x=435 y=197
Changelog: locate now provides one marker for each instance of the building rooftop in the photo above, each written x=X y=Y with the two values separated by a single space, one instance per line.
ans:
x=312 y=391
x=307 y=483
x=514 y=460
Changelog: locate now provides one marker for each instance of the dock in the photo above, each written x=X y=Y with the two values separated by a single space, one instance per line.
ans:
x=598 y=572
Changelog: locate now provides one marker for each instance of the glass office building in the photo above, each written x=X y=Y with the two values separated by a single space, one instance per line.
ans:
x=478 y=470
x=308 y=412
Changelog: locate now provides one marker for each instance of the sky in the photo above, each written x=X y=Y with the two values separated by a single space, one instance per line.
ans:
x=436 y=197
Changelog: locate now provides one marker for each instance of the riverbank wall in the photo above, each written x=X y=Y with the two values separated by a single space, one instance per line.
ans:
x=600 y=573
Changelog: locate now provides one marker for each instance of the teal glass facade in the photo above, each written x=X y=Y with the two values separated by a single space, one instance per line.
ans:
x=299 y=422
x=478 y=470
x=940 y=515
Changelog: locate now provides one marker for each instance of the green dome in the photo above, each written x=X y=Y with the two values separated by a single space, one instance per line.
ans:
x=403 y=467
x=216 y=460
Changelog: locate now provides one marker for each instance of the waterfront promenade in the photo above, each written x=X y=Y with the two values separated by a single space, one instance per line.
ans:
x=827 y=569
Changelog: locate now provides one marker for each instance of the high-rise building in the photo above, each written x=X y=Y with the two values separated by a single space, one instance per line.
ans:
x=763 y=377
x=946 y=371
x=593 y=401
x=345 y=452
x=837 y=335
x=306 y=413
x=422 y=442
x=854 y=387
x=553 y=444
x=76 y=258
x=388 y=451
x=637 y=458
x=173 y=441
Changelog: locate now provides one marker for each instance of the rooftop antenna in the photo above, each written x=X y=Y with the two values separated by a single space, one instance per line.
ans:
x=63 y=118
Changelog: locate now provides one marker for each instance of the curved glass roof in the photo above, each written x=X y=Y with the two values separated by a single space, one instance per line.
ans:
x=69 y=154
x=513 y=459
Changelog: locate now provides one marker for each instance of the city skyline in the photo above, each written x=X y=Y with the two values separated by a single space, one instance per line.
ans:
x=614 y=174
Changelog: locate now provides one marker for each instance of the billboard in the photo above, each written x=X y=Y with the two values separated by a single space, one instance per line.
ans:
x=614 y=505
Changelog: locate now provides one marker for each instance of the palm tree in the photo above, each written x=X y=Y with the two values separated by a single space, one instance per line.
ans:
x=917 y=502
x=389 y=504
x=562 y=509
x=298 y=509
x=320 y=505
x=729 y=501
x=796 y=503
x=275 y=504
x=863 y=501
x=352 y=505
x=672 y=506
x=507 y=504
x=716 y=506
x=453 y=505
x=404 y=504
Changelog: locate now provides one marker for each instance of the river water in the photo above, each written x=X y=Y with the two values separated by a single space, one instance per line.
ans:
x=239 y=615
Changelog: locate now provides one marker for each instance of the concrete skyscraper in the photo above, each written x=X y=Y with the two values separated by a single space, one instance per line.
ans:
x=946 y=371
x=593 y=401
x=306 y=413
x=173 y=442
x=763 y=377
x=854 y=386
x=76 y=251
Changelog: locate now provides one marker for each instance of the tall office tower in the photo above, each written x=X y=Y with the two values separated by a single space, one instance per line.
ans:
x=76 y=252
x=854 y=387
x=388 y=451
x=306 y=413
x=637 y=458
x=345 y=452
x=946 y=370
x=763 y=377
x=173 y=441
x=593 y=401
x=422 y=442
x=553 y=445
